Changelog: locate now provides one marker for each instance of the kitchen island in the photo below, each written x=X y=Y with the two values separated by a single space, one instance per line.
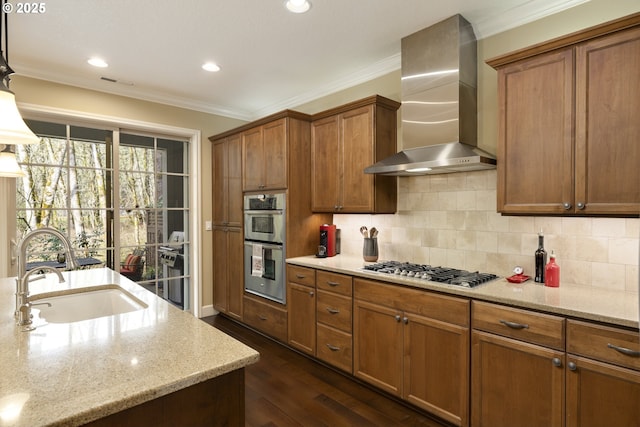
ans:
x=148 y=366
x=616 y=307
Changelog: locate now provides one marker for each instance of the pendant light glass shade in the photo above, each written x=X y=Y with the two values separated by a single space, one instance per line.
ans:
x=9 y=165
x=13 y=130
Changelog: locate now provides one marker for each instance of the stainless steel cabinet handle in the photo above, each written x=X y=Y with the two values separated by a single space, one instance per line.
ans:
x=556 y=362
x=311 y=293
x=335 y=207
x=625 y=351
x=333 y=347
x=572 y=366
x=398 y=318
x=580 y=205
x=405 y=320
x=332 y=283
x=566 y=206
x=514 y=325
x=333 y=310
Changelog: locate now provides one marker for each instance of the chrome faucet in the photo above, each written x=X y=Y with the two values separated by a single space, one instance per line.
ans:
x=23 y=305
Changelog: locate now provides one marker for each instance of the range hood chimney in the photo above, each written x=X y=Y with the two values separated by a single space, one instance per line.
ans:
x=439 y=112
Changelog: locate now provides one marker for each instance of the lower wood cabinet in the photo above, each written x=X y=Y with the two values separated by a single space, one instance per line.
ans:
x=517 y=375
x=301 y=307
x=414 y=344
x=266 y=316
x=228 y=273
x=603 y=376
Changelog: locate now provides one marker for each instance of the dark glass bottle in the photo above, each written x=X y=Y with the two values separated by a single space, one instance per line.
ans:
x=541 y=259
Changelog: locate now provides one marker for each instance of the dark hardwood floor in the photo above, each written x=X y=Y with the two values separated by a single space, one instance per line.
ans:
x=286 y=388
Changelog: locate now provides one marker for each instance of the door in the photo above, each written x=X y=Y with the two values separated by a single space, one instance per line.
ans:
x=253 y=159
x=601 y=394
x=357 y=154
x=264 y=271
x=436 y=367
x=326 y=166
x=377 y=343
x=301 y=304
x=275 y=154
x=535 y=398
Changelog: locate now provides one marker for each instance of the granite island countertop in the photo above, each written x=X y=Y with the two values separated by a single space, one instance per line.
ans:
x=589 y=303
x=73 y=373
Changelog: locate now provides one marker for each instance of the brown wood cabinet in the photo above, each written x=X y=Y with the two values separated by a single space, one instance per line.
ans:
x=301 y=307
x=265 y=316
x=265 y=156
x=334 y=315
x=603 y=376
x=228 y=273
x=518 y=367
x=344 y=141
x=414 y=344
x=227 y=181
x=567 y=139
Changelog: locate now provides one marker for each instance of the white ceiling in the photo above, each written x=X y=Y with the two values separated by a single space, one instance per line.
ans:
x=271 y=59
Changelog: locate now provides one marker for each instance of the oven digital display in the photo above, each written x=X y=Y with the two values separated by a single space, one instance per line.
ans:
x=262 y=224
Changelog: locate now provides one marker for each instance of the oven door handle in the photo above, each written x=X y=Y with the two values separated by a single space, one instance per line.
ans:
x=265 y=212
x=264 y=245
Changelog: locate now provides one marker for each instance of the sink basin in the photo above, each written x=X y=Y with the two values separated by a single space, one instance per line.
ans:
x=86 y=303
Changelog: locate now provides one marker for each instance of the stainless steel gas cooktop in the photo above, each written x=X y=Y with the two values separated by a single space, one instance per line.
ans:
x=451 y=276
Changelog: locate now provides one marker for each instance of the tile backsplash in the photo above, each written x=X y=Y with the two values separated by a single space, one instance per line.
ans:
x=451 y=220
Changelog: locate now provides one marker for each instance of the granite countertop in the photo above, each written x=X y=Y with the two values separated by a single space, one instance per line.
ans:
x=73 y=373
x=602 y=305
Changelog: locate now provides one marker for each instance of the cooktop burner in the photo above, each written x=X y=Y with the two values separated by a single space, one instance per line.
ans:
x=451 y=276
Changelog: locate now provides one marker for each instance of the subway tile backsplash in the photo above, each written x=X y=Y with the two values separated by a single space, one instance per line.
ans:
x=451 y=220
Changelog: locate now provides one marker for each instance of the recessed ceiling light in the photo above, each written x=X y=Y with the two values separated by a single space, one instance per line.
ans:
x=298 y=6
x=97 y=62
x=210 y=66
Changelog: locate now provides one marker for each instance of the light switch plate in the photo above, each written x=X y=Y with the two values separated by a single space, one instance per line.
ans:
x=208 y=226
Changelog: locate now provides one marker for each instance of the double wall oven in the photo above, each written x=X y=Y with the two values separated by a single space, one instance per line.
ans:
x=264 y=245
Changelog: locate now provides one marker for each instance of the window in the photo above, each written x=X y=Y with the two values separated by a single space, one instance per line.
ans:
x=118 y=195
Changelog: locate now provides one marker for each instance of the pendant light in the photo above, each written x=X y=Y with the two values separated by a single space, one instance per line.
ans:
x=9 y=164
x=13 y=129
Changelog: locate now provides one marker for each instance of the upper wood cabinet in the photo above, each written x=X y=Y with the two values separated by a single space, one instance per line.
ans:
x=568 y=135
x=344 y=141
x=265 y=156
x=227 y=181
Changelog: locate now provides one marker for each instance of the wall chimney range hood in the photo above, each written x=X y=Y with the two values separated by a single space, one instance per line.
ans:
x=439 y=112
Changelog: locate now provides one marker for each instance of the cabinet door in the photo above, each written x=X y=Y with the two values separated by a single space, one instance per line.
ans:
x=301 y=304
x=234 y=180
x=253 y=160
x=377 y=342
x=275 y=155
x=436 y=368
x=600 y=394
x=607 y=125
x=515 y=383
x=535 y=135
x=220 y=183
x=220 y=278
x=326 y=168
x=235 y=271
x=357 y=154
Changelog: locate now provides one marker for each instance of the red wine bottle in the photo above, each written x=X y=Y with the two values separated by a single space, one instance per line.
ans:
x=541 y=259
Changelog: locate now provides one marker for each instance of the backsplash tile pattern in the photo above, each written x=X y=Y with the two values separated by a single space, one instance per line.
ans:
x=451 y=220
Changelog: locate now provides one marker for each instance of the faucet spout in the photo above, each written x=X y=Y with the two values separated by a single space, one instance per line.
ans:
x=23 y=305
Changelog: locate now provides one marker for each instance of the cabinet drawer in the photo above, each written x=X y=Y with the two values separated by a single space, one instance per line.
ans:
x=604 y=343
x=265 y=317
x=334 y=282
x=301 y=275
x=335 y=347
x=334 y=310
x=536 y=328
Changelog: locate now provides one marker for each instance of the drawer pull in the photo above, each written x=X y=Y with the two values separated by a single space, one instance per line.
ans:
x=333 y=347
x=556 y=362
x=625 y=351
x=330 y=283
x=514 y=325
x=333 y=310
x=300 y=276
x=261 y=317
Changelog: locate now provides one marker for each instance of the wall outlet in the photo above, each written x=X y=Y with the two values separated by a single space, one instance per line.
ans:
x=208 y=226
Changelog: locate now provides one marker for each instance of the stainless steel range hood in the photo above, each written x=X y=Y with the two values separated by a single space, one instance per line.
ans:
x=439 y=112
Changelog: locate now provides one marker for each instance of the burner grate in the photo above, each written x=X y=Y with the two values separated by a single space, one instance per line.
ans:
x=447 y=275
